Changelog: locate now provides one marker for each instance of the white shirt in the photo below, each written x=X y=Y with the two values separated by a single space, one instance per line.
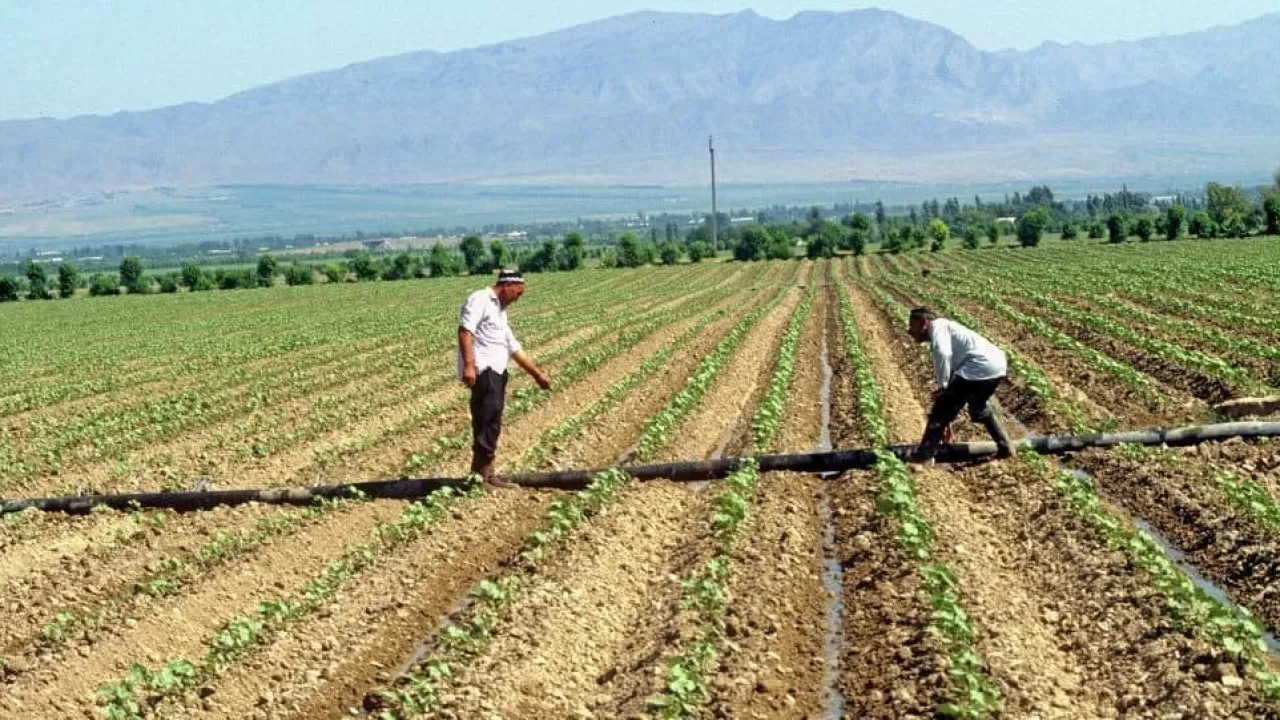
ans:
x=959 y=351
x=482 y=315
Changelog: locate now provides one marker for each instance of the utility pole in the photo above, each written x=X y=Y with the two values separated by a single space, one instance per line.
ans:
x=715 y=246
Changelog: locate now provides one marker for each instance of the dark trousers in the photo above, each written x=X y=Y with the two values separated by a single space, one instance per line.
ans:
x=958 y=394
x=488 y=398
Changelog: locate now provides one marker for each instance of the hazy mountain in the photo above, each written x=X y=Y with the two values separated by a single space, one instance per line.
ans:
x=866 y=94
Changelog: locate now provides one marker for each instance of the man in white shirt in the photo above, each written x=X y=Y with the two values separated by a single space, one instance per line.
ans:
x=968 y=368
x=485 y=346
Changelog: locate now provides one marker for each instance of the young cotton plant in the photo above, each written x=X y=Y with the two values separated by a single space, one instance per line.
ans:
x=972 y=694
x=418 y=691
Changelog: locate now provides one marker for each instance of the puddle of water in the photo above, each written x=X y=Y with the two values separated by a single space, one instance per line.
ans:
x=1187 y=567
x=832 y=573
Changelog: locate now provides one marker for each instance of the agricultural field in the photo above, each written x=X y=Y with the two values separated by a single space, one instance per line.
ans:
x=1124 y=583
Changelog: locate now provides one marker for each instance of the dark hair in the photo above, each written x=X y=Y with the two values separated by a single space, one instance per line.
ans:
x=924 y=312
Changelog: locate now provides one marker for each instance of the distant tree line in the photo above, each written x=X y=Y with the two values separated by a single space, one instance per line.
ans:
x=1222 y=211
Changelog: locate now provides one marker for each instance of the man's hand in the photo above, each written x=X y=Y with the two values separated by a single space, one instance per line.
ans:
x=948 y=435
x=469 y=375
x=543 y=380
x=937 y=393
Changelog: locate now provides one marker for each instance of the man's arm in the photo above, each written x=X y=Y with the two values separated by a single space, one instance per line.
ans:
x=526 y=363
x=466 y=344
x=940 y=346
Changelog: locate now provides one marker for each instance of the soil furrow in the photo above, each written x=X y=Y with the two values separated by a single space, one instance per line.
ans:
x=324 y=666
x=1184 y=385
x=1014 y=639
x=1180 y=499
x=891 y=665
x=725 y=411
x=559 y=649
x=772 y=664
x=80 y=580
x=1067 y=626
x=181 y=628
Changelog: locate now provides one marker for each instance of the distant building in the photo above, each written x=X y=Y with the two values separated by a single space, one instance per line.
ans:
x=378 y=244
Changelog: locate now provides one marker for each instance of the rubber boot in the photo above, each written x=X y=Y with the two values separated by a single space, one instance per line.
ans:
x=995 y=428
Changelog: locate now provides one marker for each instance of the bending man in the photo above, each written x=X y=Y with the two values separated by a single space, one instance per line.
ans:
x=968 y=368
x=485 y=346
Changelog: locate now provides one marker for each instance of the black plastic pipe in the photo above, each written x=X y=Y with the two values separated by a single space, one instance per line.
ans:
x=824 y=462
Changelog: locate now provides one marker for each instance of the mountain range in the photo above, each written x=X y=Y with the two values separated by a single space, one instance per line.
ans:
x=865 y=94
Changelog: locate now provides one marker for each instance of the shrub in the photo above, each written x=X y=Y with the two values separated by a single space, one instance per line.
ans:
x=299 y=274
x=1031 y=226
x=1117 y=231
x=104 y=284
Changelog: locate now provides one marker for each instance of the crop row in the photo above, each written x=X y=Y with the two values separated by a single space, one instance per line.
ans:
x=463 y=638
x=142 y=688
x=971 y=693
x=705 y=594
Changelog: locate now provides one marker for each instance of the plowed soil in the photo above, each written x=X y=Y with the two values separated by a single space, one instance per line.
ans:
x=1006 y=540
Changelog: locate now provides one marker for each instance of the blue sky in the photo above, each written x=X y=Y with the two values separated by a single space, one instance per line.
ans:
x=70 y=57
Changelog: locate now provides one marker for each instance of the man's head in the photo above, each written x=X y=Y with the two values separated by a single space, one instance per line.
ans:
x=510 y=286
x=918 y=325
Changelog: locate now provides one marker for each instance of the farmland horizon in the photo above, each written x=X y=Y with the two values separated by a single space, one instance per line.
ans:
x=180 y=216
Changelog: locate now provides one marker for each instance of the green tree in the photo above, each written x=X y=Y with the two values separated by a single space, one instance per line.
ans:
x=235 y=279
x=1096 y=230
x=1144 y=228
x=993 y=233
x=858 y=221
x=939 y=234
x=169 y=283
x=1235 y=225
x=402 y=267
x=104 y=284
x=1223 y=201
x=131 y=278
x=1175 y=219
x=780 y=245
x=541 y=260
x=1069 y=231
x=364 y=267
x=1202 y=225
x=972 y=239
x=1116 y=230
x=629 y=250
x=473 y=254
x=575 y=249
x=68 y=279
x=190 y=275
x=899 y=240
x=699 y=250
x=442 y=263
x=1271 y=209
x=1031 y=226
x=299 y=274
x=857 y=240
x=670 y=253
x=499 y=254
x=266 y=273
x=8 y=289
x=918 y=236
x=37 y=281
x=823 y=244
x=753 y=244
x=334 y=272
